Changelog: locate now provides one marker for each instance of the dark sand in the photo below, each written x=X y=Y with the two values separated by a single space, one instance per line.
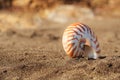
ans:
x=39 y=55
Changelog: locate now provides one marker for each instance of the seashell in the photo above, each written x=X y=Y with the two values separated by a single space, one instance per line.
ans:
x=79 y=40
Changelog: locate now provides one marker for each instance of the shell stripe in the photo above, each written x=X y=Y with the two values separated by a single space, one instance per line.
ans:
x=72 y=39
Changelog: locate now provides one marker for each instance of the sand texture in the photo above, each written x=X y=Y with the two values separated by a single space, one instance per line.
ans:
x=38 y=54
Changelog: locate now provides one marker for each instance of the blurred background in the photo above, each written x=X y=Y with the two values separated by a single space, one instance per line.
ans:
x=34 y=13
x=31 y=33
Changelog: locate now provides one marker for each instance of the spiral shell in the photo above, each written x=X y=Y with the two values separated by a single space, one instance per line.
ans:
x=78 y=39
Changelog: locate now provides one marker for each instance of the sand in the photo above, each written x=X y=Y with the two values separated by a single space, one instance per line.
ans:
x=38 y=54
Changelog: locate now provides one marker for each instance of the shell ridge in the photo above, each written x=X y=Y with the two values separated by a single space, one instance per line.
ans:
x=74 y=34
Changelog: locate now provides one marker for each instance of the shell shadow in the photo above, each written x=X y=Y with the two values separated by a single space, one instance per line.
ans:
x=101 y=57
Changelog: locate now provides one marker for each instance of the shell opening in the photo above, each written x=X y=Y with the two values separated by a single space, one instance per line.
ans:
x=84 y=42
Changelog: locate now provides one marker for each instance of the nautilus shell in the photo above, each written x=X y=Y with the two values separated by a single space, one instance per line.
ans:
x=79 y=40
